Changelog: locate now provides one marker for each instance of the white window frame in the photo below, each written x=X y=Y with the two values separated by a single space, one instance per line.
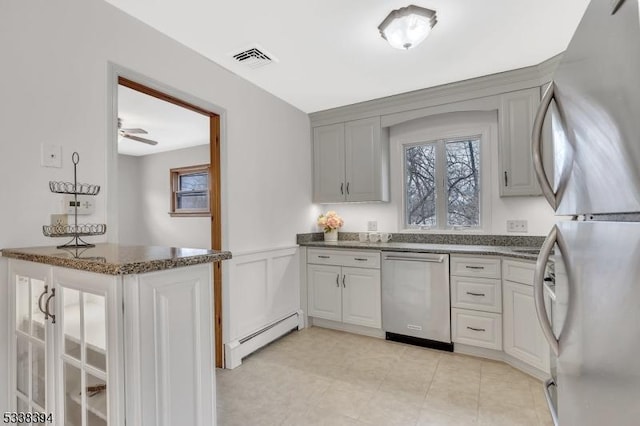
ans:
x=486 y=134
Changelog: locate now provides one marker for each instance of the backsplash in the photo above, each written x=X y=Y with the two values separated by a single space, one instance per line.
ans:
x=463 y=239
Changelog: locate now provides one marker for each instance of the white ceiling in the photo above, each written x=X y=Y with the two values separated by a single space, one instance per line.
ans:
x=330 y=52
x=173 y=127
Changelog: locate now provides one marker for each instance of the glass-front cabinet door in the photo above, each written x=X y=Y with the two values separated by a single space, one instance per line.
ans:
x=65 y=347
x=31 y=381
x=84 y=355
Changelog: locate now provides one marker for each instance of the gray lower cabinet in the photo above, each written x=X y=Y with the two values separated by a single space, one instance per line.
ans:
x=344 y=286
x=515 y=119
x=350 y=162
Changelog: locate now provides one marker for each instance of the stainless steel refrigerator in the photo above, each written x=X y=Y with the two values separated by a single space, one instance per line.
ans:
x=594 y=331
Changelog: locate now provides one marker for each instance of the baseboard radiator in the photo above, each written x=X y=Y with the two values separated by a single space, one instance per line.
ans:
x=238 y=349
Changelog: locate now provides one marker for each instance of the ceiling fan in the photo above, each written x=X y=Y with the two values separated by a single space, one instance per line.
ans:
x=131 y=134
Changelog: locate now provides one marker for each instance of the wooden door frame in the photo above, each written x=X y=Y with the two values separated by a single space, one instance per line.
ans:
x=214 y=197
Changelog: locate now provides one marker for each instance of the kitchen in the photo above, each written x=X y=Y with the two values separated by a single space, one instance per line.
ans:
x=55 y=81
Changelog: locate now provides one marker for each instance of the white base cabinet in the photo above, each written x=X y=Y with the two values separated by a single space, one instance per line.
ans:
x=523 y=338
x=76 y=335
x=347 y=294
x=476 y=304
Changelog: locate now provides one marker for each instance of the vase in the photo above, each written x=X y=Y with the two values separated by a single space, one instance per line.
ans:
x=331 y=235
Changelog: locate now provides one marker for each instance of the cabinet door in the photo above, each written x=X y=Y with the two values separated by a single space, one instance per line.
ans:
x=328 y=164
x=517 y=112
x=325 y=291
x=361 y=297
x=523 y=338
x=363 y=159
x=88 y=358
x=31 y=375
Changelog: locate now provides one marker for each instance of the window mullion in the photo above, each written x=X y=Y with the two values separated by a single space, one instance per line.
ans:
x=441 y=173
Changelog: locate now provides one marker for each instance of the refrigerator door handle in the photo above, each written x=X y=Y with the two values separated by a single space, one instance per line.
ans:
x=538 y=289
x=536 y=147
x=547 y=395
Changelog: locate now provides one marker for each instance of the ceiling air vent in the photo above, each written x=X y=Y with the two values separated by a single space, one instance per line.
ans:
x=253 y=58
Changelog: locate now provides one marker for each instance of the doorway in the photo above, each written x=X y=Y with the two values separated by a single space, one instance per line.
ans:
x=187 y=209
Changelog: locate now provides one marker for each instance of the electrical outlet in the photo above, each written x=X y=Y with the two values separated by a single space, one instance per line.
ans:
x=372 y=225
x=85 y=204
x=59 y=220
x=517 y=226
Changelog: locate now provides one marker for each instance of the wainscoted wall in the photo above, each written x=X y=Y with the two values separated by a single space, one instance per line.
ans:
x=263 y=288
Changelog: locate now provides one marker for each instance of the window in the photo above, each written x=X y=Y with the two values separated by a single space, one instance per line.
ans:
x=442 y=185
x=190 y=191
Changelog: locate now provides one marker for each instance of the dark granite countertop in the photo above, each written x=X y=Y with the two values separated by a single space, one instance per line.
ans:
x=519 y=247
x=114 y=259
x=524 y=253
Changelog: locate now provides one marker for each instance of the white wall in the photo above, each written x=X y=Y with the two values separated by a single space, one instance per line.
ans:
x=144 y=201
x=535 y=210
x=131 y=227
x=54 y=89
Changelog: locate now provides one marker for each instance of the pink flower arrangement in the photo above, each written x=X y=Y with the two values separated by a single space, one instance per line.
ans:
x=330 y=221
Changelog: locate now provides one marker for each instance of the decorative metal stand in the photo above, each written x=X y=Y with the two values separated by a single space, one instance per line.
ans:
x=75 y=231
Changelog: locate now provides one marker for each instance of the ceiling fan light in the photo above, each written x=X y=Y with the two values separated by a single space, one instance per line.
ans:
x=407 y=27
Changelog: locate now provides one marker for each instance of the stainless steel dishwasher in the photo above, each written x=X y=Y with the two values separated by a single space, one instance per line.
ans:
x=415 y=299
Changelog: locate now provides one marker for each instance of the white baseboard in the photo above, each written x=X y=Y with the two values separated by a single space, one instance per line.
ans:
x=238 y=349
x=501 y=356
x=350 y=328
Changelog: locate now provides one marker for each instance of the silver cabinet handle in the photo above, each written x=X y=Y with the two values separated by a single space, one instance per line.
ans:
x=547 y=395
x=338 y=280
x=475 y=294
x=46 y=306
x=506 y=179
x=476 y=329
x=322 y=256
x=416 y=259
x=536 y=147
x=46 y=290
x=538 y=289
x=347 y=188
x=342 y=188
x=474 y=267
x=361 y=259
x=343 y=284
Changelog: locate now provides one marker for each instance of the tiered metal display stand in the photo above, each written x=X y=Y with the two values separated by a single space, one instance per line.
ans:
x=74 y=231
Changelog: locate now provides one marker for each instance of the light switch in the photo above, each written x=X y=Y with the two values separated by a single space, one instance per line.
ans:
x=51 y=155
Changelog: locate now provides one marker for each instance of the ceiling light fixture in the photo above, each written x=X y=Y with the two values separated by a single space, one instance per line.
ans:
x=407 y=27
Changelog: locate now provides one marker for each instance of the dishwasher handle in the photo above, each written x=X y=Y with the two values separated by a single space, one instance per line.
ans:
x=438 y=259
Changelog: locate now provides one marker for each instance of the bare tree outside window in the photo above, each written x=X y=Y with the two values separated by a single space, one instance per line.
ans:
x=463 y=183
x=420 y=166
x=457 y=162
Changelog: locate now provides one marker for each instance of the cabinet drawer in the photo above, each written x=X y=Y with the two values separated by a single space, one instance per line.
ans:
x=475 y=328
x=518 y=271
x=484 y=267
x=483 y=294
x=358 y=259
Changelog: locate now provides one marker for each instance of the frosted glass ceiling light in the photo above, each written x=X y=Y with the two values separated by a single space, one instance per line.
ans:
x=407 y=27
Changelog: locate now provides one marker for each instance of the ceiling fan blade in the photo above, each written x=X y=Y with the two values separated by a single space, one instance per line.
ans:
x=139 y=139
x=135 y=131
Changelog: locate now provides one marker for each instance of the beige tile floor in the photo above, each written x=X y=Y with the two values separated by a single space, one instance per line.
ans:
x=325 y=377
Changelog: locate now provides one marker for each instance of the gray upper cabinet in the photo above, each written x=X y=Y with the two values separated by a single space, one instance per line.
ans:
x=328 y=164
x=351 y=162
x=516 y=115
